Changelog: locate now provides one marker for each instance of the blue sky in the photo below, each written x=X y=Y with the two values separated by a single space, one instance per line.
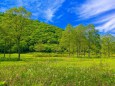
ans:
x=101 y=13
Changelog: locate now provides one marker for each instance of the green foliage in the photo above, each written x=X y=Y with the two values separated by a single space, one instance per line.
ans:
x=67 y=39
x=45 y=37
x=93 y=39
x=81 y=39
x=18 y=33
x=3 y=84
x=108 y=45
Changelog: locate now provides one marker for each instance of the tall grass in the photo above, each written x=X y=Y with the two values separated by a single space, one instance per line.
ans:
x=51 y=71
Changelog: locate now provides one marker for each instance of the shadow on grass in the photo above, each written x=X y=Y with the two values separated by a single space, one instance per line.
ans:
x=9 y=59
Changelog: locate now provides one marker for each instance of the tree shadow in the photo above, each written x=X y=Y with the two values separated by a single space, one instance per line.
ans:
x=2 y=59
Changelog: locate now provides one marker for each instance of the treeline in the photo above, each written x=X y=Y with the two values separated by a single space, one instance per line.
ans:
x=86 y=40
x=19 y=34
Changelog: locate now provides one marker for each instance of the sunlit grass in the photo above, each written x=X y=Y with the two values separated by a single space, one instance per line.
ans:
x=60 y=71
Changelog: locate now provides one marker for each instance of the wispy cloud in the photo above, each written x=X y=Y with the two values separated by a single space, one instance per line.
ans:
x=106 y=23
x=58 y=17
x=107 y=26
x=93 y=8
x=105 y=18
x=98 y=9
x=44 y=9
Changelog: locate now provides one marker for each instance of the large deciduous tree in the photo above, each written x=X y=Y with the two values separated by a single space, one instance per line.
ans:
x=19 y=19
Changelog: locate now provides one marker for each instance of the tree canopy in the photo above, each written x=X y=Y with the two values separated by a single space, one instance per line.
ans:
x=19 y=33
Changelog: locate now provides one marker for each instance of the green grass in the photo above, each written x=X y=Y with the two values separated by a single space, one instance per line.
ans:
x=57 y=71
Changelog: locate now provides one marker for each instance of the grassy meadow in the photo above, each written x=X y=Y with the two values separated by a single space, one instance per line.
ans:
x=74 y=51
x=56 y=71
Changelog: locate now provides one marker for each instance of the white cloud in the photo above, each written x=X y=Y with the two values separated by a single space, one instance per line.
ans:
x=107 y=23
x=49 y=14
x=45 y=9
x=107 y=26
x=105 y=18
x=93 y=8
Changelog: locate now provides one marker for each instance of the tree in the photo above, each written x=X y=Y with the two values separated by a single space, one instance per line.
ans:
x=80 y=39
x=45 y=37
x=19 y=18
x=6 y=32
x=67 y=39
x=107 y=44
x=93 y=39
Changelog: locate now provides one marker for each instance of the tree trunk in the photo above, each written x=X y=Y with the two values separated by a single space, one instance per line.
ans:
x=84 y=52
x=5 y=49
x=69 y=47
x=89 y=52
x=100 y=54
x=69 y=53
x=77 y=52
x=89 y=45
x=10 y=49
x=108 y=50
x=69 y=44
x=18 y=45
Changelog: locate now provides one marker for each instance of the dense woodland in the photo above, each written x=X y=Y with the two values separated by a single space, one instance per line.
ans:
x=20 y=34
